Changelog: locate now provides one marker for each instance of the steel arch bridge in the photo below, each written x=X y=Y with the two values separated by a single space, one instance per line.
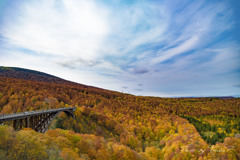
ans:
x=37 y=120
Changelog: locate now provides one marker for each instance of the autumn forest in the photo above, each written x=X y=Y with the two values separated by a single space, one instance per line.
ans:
x=117 y=126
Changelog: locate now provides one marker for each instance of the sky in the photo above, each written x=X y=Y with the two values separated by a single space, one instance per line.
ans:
x=164 y=48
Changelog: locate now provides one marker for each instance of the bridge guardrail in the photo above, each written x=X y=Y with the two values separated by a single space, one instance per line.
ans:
x=3 y=116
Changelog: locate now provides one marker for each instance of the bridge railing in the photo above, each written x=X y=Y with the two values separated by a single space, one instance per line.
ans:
x=10 y=115
x=32 y=112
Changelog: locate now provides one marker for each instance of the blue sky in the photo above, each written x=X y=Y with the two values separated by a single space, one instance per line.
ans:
x=163 y=48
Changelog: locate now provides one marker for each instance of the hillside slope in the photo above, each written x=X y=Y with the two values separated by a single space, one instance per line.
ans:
x=119 y=126
x=26 y=74
x=32 y=75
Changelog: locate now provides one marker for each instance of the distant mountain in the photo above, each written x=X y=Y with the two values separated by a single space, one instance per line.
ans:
x=219 y=97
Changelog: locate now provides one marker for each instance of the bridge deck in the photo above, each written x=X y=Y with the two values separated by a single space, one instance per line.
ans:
x=7 y=117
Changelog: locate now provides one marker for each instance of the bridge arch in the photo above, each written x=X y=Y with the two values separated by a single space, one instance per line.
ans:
x=69 y=114
x=37 y=120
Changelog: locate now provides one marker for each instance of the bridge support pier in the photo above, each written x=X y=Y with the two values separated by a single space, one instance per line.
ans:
x=38 y=121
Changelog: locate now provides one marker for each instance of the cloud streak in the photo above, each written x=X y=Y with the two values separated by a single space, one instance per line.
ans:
x=236 y=85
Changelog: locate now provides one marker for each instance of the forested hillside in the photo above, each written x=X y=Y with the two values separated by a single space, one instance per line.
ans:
x=119 y=126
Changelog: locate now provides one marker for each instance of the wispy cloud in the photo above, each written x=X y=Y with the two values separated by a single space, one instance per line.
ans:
x=79 y=62
x=180 y=49
x=236 y=85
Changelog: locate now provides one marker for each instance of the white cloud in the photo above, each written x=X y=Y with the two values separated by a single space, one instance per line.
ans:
x=62 y=28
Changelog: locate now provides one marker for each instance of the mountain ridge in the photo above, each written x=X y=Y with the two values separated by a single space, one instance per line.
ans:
x=33 y=75
x=28 y=74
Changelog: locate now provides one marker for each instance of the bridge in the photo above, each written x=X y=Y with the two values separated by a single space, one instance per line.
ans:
x=37 y=120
